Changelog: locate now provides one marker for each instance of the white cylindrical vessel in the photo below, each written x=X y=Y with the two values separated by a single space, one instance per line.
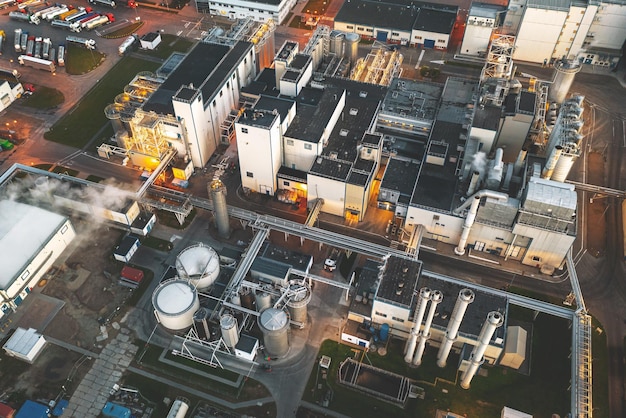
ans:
x=230 y=332
x=274 y=324
x=563 y=166
x=494 y=320
x=263 y=300
x=298 y=302
x=467 y=226
x=420 y=309
x=179 y=408
x=175 y=301
x=466 y=296
x=200 y=264
x=435 y=299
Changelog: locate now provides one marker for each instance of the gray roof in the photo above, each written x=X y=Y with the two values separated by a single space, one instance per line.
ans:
x=486 y=10
x=436 y=21
x=398 y=284
x=476 y=311
x=281 y=104
x=400 y=175
x=258 y=118
x=487 y=117
x=314 y=109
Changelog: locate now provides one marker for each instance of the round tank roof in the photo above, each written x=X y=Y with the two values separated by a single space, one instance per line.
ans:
x=174 y=297
x=227 y=321
x=273 y=319
x=352 y=37
x=198 y=260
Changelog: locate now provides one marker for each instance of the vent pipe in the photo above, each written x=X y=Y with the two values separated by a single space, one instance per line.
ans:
x=435 y=299
x=466 y=296
x=473 y=184
x=519 y=163
x=494 y=320
x=551 y=163
x=467 y=226
x=424 y=297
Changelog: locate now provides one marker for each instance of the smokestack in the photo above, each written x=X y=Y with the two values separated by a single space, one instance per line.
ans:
x=473 y=185
x=217 y=193
x=424 y=297
x=494 y=320
x=467 y=226
x=494 y=177
x=551 y=163
x=435 y=299
x=466 y=296
x=519 y=163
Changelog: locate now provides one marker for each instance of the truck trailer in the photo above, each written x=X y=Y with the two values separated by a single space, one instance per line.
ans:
x=61 y=56
x=38 y=42
x=45 y=48
x=30 y=46
x=24 y=17
x=38 y=63
x=99 y=21
x=73 y=26
x=109 y=3
x=127 y=45
x=23 y=41
x=86 y=43
x=3 y=40
x=17 y=41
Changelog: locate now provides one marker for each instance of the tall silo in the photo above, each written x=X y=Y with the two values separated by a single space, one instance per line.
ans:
x=217 y=193
x=274 y=324
x=564 y=72
x=200 y=264
x=298 y=301
x=247 y=298
x=336 y=43
x=351 y=48
x=263 y=300
x=175 y=301
x=230 y=332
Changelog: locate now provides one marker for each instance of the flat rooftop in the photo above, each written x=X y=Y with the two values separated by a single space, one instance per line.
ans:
x=309 y=123
x=412 y=99
x=400 y=176
x=398 y=283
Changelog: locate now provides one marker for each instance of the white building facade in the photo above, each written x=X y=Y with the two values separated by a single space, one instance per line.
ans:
x=260 y=11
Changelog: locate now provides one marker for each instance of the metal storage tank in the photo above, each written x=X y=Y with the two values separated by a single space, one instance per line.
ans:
x=175 y=301
x=200 y=264
x=564 y=72
x=274 y=324
x=297 y=303
x=247 y=299
x=230 y=332
x=179 y=408
x=336 y=42
x=201 y=325
x=217 y=193
x=263 y=300
x=351 y=50
x=564 y=164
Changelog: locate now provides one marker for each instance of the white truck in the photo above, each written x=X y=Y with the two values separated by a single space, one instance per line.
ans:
x=18 y=39
x=87 y=43
x=72 y=26
x=61 y=56
x=127 y=45
x=36 y=63
x=94 y=23
x=45 y=48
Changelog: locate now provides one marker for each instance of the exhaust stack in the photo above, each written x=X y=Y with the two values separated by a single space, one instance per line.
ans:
x=494 y=320
x=424 y=297
x=435 y=299
x=466 y=296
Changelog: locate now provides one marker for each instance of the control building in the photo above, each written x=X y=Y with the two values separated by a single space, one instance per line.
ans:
x=258 y=10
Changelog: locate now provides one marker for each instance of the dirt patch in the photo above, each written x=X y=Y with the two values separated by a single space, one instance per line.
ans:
x=596 y=208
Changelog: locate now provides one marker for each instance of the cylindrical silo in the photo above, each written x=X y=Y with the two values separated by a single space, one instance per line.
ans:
x=230 y=332
x=274 y=324
x=564 y=72
x=263 y=300
x=565 y=163
x=466 y=296
x=217 y=193
x=351 y=50
x=494 y=320
x=336 y=43
x=247 y=298
x=179 y=408
x=199 y=264
x=201 y=325
x=175 y=301
x=298 y=301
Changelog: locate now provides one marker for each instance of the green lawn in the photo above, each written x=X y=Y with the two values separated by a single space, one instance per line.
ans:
x=79 y=125
x=168 y=45
x=43 y=98
x=81 y=60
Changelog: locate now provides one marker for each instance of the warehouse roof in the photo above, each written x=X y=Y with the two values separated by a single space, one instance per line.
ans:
x=400 y=175
x=399 y=280
x=436 y=21
x=24 y=230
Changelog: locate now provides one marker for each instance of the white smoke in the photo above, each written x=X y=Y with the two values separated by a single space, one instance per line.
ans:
x=479 y=163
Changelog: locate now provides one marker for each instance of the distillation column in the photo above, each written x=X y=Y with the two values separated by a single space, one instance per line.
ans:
x=466 y=296
x=494 y=320
x=467 y=226
x=435 y=299
x=422 y=301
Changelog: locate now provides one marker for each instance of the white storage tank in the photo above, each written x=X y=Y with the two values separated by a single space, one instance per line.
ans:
x=179 y=408
x=263 y=300
x=274 y=324
x=200 y=264
x=230 y=332
x=175 y=301
x=201 y=324
x=351 y=50
x=300 y=296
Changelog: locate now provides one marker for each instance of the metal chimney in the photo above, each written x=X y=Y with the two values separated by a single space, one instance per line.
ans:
x=494 y=320
x=424 y=297
x=551 y=162
x=467 y=226
x=466 y=296
x=473 y=184
x=435 y=299
x=217 y=193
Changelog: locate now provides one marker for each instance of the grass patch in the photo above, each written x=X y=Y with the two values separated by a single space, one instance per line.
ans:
x=44 y=98
x=168 y=45
x=126 y=31
x=79 y=125
x=81 y=60
x=59 y=169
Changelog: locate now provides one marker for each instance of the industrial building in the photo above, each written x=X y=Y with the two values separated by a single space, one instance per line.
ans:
x=10 y=90
x=25 y=344
x=32 y=239
x=258 y=10
x=416 y=23
x=188 y=106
